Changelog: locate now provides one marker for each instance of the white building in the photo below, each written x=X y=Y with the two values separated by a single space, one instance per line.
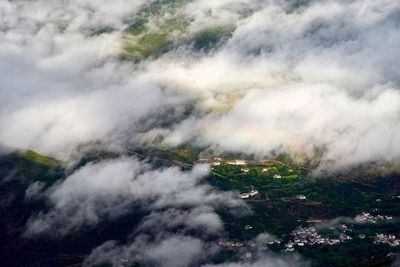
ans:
x=249 y=194
x=236 y=162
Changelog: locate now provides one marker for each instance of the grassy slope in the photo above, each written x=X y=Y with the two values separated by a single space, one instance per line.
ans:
x=160 y=26
x=37 y=158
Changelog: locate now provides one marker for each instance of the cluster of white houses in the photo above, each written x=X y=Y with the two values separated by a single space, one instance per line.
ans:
x=230 y=244
x=309 y=236
x=302 y=237
x=367 y=217
x=387 y=239
x=237 y=162
x=216 y=161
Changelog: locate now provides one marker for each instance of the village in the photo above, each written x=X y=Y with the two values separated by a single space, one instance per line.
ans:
x=280 y=184
x=309 y=236
x=368 y=217
x=301 y=237
x=268 y=169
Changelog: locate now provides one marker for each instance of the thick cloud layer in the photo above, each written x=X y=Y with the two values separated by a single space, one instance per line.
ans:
x=296 y=78
x=320 y=77
x=354 y=130
x=61 y=85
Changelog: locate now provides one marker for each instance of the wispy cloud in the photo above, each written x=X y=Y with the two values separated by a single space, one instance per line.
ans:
x=107 y=190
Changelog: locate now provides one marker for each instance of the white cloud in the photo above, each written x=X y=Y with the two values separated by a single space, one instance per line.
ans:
x=316 y=77
x=107 y=190
x=300 y=119
x=335 y=61
x=170 y=251
x=180 y=222
x=61 y=86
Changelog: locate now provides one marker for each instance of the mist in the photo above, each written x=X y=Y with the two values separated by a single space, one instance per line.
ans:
x=315 y=80
x=320 y=76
